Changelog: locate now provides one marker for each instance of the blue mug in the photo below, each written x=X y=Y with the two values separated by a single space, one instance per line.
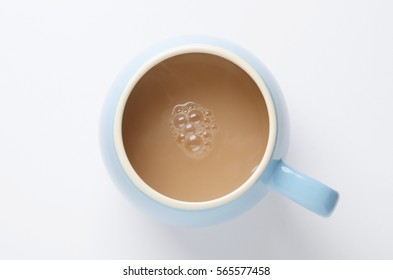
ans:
x=271 y=173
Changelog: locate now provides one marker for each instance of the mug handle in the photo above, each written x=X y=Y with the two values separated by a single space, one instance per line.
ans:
x=303 y=190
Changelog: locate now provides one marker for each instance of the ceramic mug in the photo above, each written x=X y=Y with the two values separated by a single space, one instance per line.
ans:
x=272 y=172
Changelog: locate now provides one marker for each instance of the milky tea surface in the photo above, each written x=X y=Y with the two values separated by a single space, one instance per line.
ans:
x=195 y=127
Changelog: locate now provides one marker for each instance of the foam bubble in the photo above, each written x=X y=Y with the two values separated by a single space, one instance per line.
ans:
x=196 y=116
x=194 y=143
x=206 y=135
x=194 y=129
x=189 y=127
x=180 y=138
x=179 y=121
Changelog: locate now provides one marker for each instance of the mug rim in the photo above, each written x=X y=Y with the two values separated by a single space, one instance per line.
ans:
x=118 y=121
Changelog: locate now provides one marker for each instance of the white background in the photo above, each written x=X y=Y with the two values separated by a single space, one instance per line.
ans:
x=332 y=59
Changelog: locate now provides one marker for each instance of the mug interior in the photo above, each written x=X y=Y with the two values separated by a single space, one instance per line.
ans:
x=172 y=162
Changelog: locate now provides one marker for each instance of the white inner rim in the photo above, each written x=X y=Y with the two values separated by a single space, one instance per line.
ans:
x=118 y=139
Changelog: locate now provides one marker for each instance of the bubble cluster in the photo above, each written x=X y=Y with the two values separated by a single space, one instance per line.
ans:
x=193 y=128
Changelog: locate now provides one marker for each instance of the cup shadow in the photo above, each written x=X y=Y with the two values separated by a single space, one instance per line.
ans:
x=268 y=231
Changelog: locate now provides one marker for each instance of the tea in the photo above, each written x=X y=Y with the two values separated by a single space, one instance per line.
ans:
x=195 y=127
